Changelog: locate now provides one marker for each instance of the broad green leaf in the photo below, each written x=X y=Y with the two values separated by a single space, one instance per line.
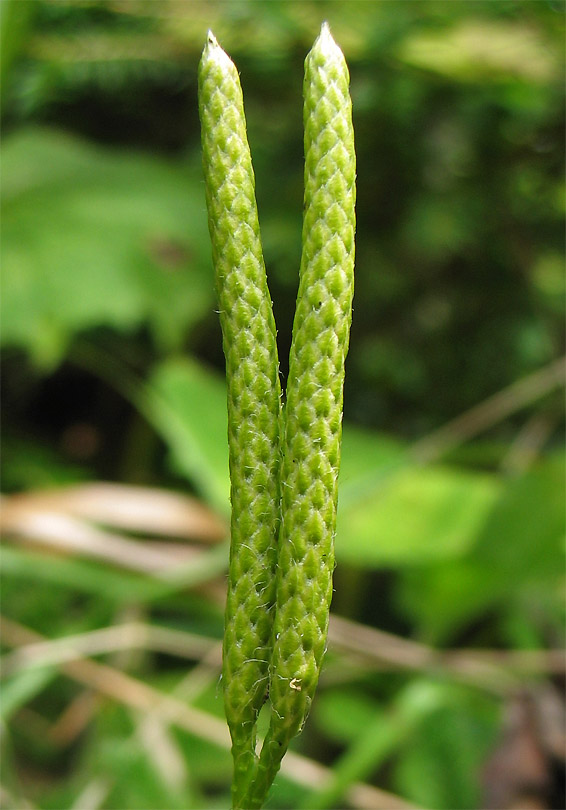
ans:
x=368 y=458
x=185 y=402
x=413 y=514
x=187 y=405
x=476 y=50
x=518 y=549
x=524 y=532
x=95 y=237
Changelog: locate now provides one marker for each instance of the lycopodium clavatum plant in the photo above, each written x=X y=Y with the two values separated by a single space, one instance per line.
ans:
x=284 y=459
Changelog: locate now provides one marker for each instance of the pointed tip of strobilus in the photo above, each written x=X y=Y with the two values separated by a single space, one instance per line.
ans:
x=213 y=52
x=211 y=39
x=325 y=41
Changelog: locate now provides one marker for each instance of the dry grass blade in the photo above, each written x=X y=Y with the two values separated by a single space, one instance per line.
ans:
x=63 y=520
x=490 y=412
x=133 y=635
x=69 y=534
x=528 y=443
x=132 y=508
x=59 y=520
x=153 y=730
x=136 y=694
x=7 y=799
x=496 y=670
x=74 y=718
x=93 y=796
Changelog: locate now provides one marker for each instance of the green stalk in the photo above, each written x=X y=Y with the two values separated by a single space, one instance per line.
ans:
x=313 y=425
x=296 y=577
x=254 y=402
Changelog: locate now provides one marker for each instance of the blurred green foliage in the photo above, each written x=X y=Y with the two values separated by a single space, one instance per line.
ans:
x=113 y=365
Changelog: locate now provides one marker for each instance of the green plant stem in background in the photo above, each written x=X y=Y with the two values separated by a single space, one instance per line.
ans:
x=254 y=401
x=311 y=433
x=313 y=422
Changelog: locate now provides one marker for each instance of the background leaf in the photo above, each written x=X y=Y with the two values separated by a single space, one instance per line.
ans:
x=97 y=237
x=113 y=372
x=413 y=515
x=188 y=402
x=518 y=553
